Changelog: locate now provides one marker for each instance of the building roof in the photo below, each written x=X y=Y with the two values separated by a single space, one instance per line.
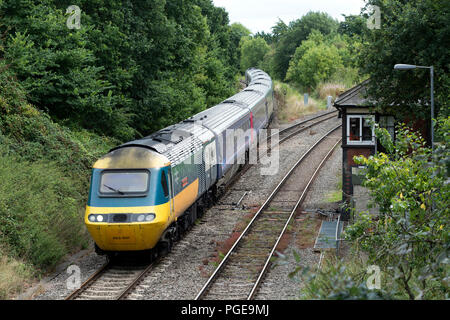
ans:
x=354 y=97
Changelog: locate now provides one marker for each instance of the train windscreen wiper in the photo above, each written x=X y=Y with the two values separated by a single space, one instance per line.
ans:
x=114 y=189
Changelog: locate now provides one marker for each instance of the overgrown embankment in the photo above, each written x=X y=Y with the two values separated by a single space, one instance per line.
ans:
x=291 y=104
x=44 y=176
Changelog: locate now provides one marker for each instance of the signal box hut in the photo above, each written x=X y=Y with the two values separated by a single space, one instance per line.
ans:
x=358 y=137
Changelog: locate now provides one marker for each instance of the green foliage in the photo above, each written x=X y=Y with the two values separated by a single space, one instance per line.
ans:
x=39 y=210
x=105 y=76
x=32 y=135
x=240 y=30
x=410 y=239
x=313 y=62
x=60 y=73
x=44 y=176
x=296 y=32
x=412 y=32
x=279 y=30
x=353 y=25
x=253 y=51
x=340 y=281
x=323 y=58
x=132 y=68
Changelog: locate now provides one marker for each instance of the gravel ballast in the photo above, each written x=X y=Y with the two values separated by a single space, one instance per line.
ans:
x=183 y=272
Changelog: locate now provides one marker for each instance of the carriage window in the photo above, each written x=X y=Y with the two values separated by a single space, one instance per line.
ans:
x=124 y=182
x=164 y=184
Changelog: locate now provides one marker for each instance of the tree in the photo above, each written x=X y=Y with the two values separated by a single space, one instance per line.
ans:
x=412 y=32
x=298 y=31
x=353 y=25
x=253 y=51
x=268 y=37
x=313 y=63
x=279 y=30
x=240 y=30
x=113 y=75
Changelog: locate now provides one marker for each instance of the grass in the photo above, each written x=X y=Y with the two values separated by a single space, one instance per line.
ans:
x=335 y=195
x=333 y=89
x=306 y=229
x=14 y=275
x=40 y=211
x=291 y=103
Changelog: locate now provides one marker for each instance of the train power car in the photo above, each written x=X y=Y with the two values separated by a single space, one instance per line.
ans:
x=145 y=193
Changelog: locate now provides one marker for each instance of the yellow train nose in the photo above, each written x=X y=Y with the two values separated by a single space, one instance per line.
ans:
x=127 y=237
x=139 y=229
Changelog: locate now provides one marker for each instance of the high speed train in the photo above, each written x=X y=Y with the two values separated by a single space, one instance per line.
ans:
x=145 y=193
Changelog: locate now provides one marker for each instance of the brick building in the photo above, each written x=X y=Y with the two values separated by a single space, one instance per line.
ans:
x=358 y=136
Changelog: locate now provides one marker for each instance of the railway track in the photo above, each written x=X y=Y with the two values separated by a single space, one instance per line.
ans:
x=114 y=281
x=284 y=135
x=111 y=282
x=242 y=270
x=301 y=126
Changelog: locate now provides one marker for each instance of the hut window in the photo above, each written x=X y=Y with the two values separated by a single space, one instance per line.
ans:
x=388 y=122
x=359 y=129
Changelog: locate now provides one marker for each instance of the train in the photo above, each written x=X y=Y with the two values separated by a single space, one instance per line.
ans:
x=144 y=194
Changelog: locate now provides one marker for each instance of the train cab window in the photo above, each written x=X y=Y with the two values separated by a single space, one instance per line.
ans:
x=124 y=182
x=164 y=184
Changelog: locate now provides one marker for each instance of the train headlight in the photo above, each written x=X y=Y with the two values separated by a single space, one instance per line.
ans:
x=150 y=217
x=91 y=218
x=99 y=218
x=141 y=217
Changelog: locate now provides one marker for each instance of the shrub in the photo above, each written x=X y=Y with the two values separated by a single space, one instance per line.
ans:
x=317 y=64
x=409 y=240
x=40 y=214
x=253 y=52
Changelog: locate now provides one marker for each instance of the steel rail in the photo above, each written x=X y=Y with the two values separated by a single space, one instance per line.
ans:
x=299 y=202
x=136 y=281
x=97 y=275
x=301 y=129
x=308 y=120
x=262 y=208
x=269 y=147
x=89 y=281
x=94 y=277
x=301 y=123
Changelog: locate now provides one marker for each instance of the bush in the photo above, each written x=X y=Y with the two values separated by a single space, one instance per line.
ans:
x=339 y=280
x=253 y=52
x=44 y=179
x=290 y=103
x=317 y=64
x=409 y=239
x=40 y=214
x=14 y=274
